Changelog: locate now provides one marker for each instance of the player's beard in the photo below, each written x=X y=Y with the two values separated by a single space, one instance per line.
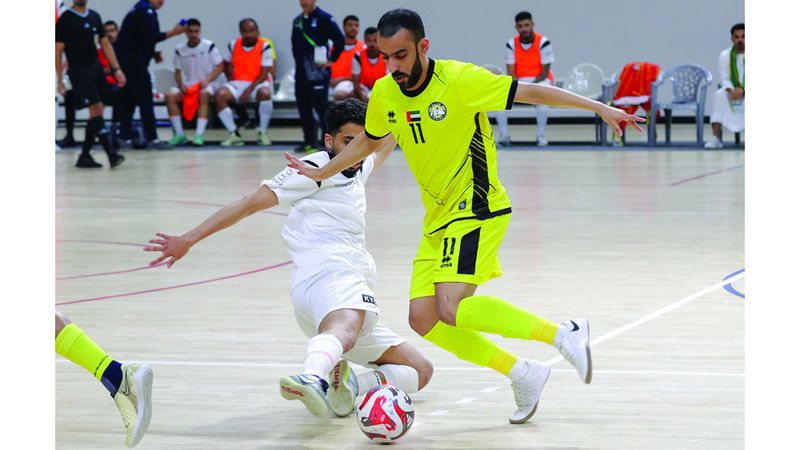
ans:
x=80 y=3
x=413 y=78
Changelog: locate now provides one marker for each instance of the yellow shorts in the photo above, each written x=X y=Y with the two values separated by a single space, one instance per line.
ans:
x=464 y=252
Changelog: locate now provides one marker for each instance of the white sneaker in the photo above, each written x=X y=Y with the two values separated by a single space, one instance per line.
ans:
x=134 y=400
x=575 y=348
x=713 y=143
x=309 y=389
x=343 y=389
x=542 y=143
x=528 y=390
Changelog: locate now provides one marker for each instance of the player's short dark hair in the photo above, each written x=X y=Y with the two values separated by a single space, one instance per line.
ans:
x=392 y=21
x=246 y=20
x=523 y=15
x=193 y=22
x=738 y=26
x=370 y=30
x=349 y=18
x=111 y=22
x=342 y=112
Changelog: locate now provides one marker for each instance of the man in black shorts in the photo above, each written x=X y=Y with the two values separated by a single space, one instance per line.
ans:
x=78 y=31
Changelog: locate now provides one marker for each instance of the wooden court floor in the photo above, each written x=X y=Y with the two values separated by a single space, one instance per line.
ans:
x=639 y=242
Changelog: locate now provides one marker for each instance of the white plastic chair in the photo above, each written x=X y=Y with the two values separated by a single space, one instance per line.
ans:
x=689 y=85
x=164 y=79
x=586 y=80
x=286 y=88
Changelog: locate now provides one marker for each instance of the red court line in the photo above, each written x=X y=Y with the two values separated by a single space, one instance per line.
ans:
x=117 y=272
x=163 y=200
x=166 y=288
x=705 y=175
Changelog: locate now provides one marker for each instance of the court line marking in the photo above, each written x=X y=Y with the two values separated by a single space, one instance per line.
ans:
x=728 y=287
x=655 y=314
x=176 y=286
x=116 y=272
x=163 y=200
x=707 y=174
x=489 y=389
x=438 y=412
x=464 y=401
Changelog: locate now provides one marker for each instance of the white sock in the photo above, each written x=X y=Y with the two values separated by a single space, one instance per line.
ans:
x=323 y=351
x=177 y=125
x=226 y=116
x=404 y=377
x=518 y=371
x=541 y=121
x=265 y=114
x=201 y=126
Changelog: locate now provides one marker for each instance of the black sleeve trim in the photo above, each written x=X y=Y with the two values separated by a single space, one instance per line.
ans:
x=512 y=92
x=211 y=47
x=545 y=44
x=319 y=183
x=508 y=46
x=375 y=138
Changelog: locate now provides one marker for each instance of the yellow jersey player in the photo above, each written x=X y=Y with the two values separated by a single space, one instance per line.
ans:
x=436 y=111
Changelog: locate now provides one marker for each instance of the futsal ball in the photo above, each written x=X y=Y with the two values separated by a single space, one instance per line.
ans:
x=385 y=414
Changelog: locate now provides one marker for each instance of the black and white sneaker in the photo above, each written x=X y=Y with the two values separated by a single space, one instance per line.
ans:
x=309 y=389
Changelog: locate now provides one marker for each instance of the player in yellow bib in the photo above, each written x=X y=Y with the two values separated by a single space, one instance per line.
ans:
x=435 y=110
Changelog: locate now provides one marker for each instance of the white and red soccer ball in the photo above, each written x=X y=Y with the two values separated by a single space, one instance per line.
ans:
x=385 y=414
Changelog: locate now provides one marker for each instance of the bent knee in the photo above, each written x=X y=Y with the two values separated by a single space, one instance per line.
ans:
x=421 y=324
x=446 y=310
x=425 y=373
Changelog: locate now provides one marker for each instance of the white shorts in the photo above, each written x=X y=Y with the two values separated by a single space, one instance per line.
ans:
x=237 y=87
x=343 y=87
x=331 y=290
x=175 y=90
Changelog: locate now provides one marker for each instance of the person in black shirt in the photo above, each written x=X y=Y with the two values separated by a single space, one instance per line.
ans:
x=311 y=32
x=136 y=44
x=78 y=31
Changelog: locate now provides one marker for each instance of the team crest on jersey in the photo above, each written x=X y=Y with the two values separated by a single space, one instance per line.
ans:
x=437 y=111
x=391 y=117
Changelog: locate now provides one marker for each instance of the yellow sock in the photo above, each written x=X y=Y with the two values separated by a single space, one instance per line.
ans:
x=472 y=346
x=75 y=345
x=495 y=315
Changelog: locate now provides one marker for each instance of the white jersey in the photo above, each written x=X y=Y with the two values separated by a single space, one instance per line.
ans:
x=196 y=63
x=326 y=227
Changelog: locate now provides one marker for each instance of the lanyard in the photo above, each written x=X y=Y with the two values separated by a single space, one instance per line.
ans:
x=308 y=38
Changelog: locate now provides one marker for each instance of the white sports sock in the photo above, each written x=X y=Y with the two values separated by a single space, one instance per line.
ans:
x=265 y=114
x=541 y=121
x=226 y=116
x=201 y=126
x=404 y=377
x=518 y=371
x=323 y=351
x=177 y=125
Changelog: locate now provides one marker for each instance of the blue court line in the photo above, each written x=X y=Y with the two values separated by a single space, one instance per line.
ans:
x=730 y=288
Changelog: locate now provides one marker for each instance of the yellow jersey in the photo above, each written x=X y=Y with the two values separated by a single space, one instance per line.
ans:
x=446 y=138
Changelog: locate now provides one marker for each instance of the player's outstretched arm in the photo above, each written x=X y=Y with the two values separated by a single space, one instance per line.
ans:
x=537 y=94
x=176 y=247
x=359 y=148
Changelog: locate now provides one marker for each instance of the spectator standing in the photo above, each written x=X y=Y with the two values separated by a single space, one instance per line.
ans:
x=311 y=31
x=368 y=65
x=250 y=66
x=78 y=31
x=728 y=108
x=196 y=61
x=136 y=45
x=342 y=69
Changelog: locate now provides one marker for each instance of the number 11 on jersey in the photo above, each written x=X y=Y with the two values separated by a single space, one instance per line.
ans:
x=416 y=128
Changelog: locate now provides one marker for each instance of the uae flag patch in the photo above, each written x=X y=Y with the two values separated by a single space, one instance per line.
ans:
x=412 y=116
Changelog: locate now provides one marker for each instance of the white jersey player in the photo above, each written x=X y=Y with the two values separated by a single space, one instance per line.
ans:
x=334 y=276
